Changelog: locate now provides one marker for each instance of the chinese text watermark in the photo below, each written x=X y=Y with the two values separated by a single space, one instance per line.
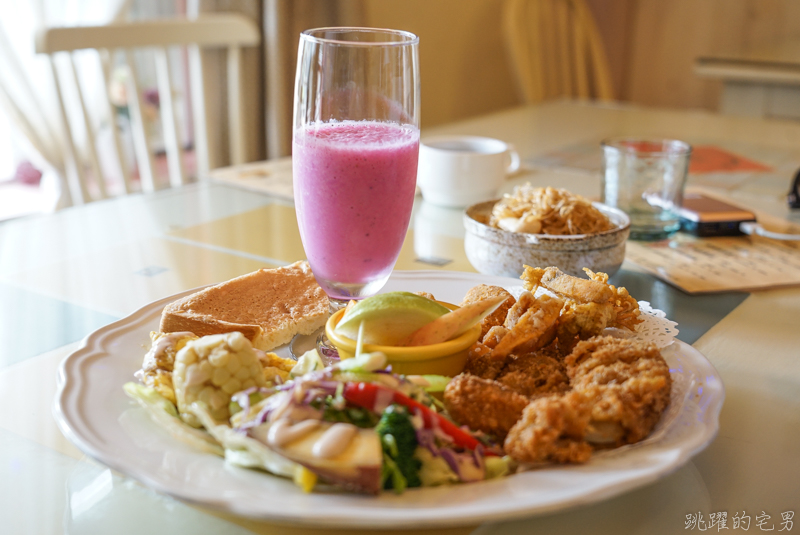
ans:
x=739 y=520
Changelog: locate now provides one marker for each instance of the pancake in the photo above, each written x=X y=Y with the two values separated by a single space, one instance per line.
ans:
x=268 y=307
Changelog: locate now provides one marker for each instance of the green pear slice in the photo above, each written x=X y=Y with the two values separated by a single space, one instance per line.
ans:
x=454 y=323
x=389 y=318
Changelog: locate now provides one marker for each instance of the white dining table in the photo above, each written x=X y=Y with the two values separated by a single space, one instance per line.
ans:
x=65 y=275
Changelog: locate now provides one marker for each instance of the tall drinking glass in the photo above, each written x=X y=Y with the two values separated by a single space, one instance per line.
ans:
x=354 y=154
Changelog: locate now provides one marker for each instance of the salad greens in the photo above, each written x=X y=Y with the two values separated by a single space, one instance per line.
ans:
x=381 y=430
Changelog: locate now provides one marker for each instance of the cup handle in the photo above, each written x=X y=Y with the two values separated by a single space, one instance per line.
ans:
x=515 y=162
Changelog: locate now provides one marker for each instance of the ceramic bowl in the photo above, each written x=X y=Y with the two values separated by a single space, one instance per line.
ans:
x=494 y=251
x=447 y=358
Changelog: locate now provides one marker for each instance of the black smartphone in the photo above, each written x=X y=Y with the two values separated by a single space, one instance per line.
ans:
x=705 y=216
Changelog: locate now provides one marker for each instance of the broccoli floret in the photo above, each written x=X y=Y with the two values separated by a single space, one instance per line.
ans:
x=399 y=441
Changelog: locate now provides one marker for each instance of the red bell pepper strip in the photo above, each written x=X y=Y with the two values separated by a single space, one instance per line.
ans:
x=367 y=394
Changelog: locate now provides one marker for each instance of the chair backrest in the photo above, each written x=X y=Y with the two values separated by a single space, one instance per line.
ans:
x=556 y=50
x=228 y=31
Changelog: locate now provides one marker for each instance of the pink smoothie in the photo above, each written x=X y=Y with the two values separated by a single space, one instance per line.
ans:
x=354 y=188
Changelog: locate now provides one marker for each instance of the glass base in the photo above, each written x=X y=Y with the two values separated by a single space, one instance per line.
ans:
x=343 y=292
x=653 y=232
x=652 y=225
x=655 y=235
x=302 y=343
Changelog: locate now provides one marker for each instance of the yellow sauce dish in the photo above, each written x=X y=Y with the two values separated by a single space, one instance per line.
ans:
x=446 y=358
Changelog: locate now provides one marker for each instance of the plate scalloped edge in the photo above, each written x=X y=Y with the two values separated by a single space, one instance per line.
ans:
x=73 y=421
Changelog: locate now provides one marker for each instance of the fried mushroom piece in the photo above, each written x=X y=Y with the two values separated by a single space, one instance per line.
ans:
x=629 y=386
x=535 y=374
x=483 y=404
x=551 y=429
x=484 y=291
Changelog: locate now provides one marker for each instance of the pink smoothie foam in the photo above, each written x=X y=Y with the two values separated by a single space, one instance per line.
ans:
x=354 y=185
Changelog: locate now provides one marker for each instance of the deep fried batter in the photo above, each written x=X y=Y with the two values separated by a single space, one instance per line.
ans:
x=579 y=321
x=484 y=291
x=494 y=335
x=590 y=305
x=483 y=404
x=619 y=387
x=628 y=383
x=626 y=308
x=602 y=350
x=552 y=278
x=481 y=363
x=535 y=374
x=551 y=429
x=535 y=329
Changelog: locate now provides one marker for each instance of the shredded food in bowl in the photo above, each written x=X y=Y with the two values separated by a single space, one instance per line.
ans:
x=547 y=211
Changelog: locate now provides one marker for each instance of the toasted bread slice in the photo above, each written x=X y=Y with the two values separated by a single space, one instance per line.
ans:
x=268 y=306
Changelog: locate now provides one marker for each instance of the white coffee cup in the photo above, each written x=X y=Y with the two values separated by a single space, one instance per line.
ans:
x=457 y=171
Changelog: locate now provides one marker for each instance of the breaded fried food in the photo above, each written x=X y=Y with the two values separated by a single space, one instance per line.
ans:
x=426 y=294
x=590 y=305
x=484 y=291
x=481 y=363
x=628 y=383
x=535 y=329
x=494 y=336
x=551 y=429
x=526 y=300
x=579 y=321
x=626 y=308
x=483 y=404
x=535 y=374
x=552 y=278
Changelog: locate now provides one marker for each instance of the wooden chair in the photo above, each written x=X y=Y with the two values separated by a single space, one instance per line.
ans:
x=218 y=30
x=556 y=50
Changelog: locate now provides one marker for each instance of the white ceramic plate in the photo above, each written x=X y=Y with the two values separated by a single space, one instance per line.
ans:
x=94 y=413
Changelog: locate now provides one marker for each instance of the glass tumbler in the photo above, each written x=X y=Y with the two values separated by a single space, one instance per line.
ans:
x=645 y=178
x=354 y=154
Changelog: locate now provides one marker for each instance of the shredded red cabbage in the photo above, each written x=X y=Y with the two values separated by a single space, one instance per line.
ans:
x=242 y=398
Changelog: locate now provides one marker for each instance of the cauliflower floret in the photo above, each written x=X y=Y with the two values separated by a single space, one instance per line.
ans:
x=211 y=369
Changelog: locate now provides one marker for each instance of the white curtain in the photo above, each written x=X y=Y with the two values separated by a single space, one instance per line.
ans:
x=27 y=92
